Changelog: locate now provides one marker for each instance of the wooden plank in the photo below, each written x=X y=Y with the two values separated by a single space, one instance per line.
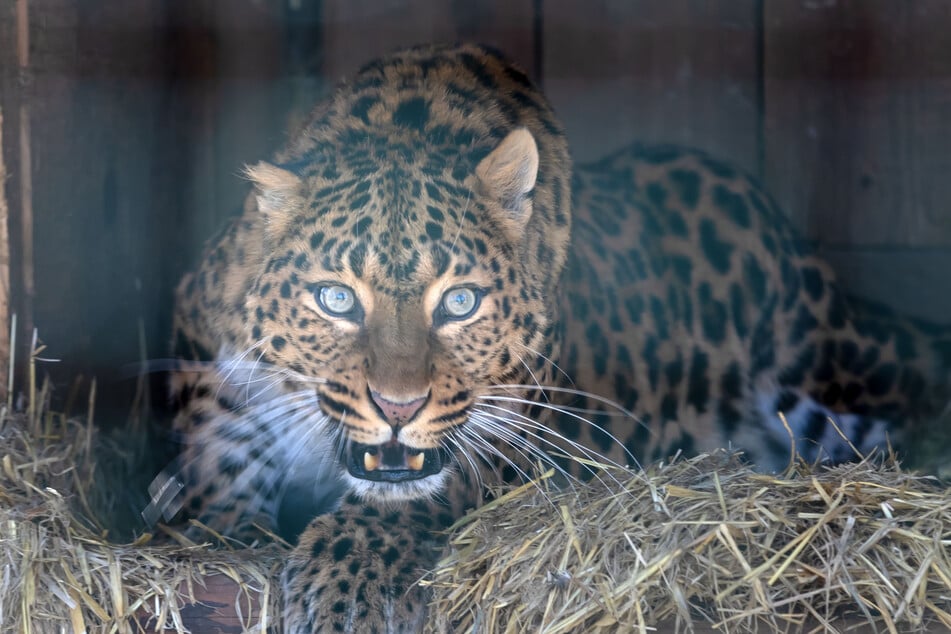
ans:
x=226 y=61
x=25 y=221
x=356 y=31
x=221 y=605
x=913 y=281
x=138 y=138
x=23 y=60
x=5 y=297
x=250 y=100
x=678 y=71
x=509 y=25
x=100 y=185
x=10 y=91
x=857 y=95
x=192 y=118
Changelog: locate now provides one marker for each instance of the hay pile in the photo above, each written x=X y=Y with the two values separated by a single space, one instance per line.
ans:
x=706 y=543
x=701 y=542
x=58 y=571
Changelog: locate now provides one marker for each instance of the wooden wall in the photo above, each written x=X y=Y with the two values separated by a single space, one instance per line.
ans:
x=857 y=128
x=143 y=112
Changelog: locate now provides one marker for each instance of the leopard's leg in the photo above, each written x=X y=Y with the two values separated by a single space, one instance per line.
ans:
x=357 y=569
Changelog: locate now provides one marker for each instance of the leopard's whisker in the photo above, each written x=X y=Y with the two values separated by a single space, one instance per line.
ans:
x=228 y=364
x=254 y=369
x=448 y=442
x=282 y=445
x=486 y=458
x=318 y=425
x=339 y=441
x=275 y=418
x=562 y=411
x=517 y=443
x=501 y=428
x=567 y=390
x=274 y=410
x=530 y=426
x=526 y=425
x=532 y=374
x=526 y=420
x=265 y=372
x=275 y=379
x=462 y=217
x=287 y=409
x=520 y=446
x=548 y=360
x=269 y=378
x=484 y=451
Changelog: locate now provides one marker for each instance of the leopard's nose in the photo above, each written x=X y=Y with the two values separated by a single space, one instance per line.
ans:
x=396 y=412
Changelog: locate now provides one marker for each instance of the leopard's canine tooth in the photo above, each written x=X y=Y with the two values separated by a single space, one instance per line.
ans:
x=415 y=462
x=371 y=461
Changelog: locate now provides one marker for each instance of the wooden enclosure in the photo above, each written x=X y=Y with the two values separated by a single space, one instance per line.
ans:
x=125 y=125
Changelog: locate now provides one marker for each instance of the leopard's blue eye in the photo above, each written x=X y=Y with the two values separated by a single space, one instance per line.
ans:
x=336 y=300
x=460 y=302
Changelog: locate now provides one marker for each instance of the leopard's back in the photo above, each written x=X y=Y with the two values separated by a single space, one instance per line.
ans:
x=690 y=299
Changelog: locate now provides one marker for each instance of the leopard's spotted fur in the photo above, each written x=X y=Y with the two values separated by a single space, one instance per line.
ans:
x=333 y=326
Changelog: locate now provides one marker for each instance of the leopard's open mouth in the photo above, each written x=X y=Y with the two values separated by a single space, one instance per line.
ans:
x=392 y=462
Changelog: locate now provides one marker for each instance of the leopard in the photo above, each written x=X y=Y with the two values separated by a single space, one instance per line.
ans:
x=423 y=299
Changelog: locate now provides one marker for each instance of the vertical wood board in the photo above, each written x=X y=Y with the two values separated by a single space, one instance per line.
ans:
x=678 y=71
x=857 y=112
x=5 y=297
x=101 y=191
x=357 y=31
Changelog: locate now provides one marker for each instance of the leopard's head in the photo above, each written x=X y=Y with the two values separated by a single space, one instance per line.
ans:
x=411 y=250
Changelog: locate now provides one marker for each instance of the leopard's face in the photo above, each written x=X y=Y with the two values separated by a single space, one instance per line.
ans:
x=407 y=297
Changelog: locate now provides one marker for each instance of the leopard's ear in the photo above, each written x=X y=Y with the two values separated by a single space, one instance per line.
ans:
x=508 y=175
x=278 y=193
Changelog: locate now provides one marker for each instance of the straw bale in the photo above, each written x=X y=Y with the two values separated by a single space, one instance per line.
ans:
x=705 y=543
x=60 y=573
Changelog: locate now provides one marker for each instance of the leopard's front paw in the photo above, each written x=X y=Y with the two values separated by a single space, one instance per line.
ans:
x=356 y=573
